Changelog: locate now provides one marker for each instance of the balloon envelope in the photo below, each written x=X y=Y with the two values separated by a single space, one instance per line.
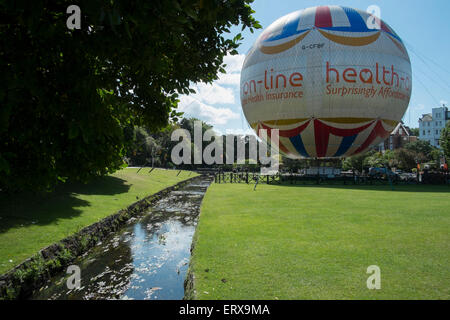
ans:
x=333 y=80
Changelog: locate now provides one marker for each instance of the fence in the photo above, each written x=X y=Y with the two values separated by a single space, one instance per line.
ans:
x=344 y=179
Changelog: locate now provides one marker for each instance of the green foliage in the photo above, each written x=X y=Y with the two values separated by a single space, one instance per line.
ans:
x=354 y=163
x=69 y=97
x=435 y=157
x=379 y=159
x=420 y=147
x=406 y=159
x=31 y=270
x=445 y=141
x=147 y=148
x=143 y=148
x=415 y=131
x=374 y=159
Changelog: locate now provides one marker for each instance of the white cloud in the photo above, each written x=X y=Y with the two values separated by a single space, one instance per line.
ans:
x=234 y=63
x=419 y=107
x=237 y=131
x=222 y=91
x=233 y=69
x=207 y=113
x=213 y=93
x=229 y=79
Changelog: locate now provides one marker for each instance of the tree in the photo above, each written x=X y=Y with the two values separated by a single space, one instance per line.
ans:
x=144 y=148
x=420 y=147
x=415 y=131
x=355 y=163
x=406 y=159
x=435 y=156
x=375 y=159
x=445 y=141
x=68 y=96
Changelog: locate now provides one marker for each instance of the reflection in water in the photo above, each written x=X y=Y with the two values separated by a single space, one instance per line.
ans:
x=147 y=259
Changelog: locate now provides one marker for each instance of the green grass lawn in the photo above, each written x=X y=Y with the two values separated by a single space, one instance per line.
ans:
x=29 y=223
x=316 y=242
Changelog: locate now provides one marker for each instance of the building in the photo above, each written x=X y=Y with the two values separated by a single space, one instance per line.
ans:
x=432 y=124
x=400 y=136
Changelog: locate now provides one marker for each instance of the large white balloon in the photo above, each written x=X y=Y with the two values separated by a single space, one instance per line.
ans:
x=334 y=81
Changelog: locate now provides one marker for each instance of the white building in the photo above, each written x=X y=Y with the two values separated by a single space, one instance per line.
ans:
x=432 y=124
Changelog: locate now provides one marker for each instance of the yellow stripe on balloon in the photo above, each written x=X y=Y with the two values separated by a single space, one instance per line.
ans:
x=391 y=123
x=347 y=120
x=351 y=41
x=397 y=44
x=283 y=122
x=284 y=46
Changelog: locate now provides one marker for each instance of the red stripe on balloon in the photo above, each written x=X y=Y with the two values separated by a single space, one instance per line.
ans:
x=283 y=148
x=280 y=144
x=322 y=134
x=378 y=131
x=323 y=17
x=348 y=132
x=385 y=28
x=291 y=132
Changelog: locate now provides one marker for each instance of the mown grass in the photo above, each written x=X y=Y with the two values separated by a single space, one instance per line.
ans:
x=316 y=242
x=29 y=223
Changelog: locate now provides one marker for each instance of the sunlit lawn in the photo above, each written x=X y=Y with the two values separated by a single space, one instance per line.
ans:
x=316 y=242
x=29 y=223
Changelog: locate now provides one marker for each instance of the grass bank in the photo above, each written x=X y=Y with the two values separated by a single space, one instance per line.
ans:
x=29 y=223
x=316 y=242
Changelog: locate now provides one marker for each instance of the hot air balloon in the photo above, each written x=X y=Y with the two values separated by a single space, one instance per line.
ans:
x=333 y=80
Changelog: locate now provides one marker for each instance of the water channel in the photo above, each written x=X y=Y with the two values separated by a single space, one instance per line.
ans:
x=146 y=259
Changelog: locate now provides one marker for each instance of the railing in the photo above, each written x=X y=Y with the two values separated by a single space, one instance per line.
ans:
x=302 y=179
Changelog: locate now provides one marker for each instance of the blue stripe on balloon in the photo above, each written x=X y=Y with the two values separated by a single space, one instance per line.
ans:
x=356 y=21
x=289 y=29
x=285 y=34
x=396 y=37
x=297 y=142
x=346 y=143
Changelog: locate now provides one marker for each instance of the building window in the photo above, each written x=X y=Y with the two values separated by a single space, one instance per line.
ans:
x=437 y=132
x=428 y=131
x=423 y=132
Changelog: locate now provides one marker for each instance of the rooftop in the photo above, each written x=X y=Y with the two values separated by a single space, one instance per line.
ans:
x=426 y=117
x=400 y=126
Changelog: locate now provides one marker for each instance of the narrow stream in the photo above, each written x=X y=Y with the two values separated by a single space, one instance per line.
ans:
x=146 y=259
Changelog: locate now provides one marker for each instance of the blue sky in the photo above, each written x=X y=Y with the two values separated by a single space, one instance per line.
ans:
x=424 y=26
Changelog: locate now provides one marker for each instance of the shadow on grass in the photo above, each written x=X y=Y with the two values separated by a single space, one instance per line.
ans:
x=374 y=187
x=42 y=209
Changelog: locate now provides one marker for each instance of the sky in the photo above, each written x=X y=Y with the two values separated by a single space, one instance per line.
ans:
x=424 y=27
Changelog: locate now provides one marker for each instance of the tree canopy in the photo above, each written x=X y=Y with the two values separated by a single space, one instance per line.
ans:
x=445 y=141
x=419 y=146
x=68 y=96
